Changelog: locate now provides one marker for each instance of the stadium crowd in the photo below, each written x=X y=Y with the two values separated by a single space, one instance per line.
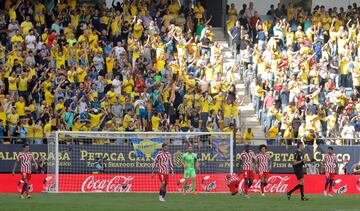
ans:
x=146 y=65
x=301 y=70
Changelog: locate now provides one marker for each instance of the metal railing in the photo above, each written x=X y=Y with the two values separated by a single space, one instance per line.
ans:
x=238 y=140
x=279 y=141
x=23 y=140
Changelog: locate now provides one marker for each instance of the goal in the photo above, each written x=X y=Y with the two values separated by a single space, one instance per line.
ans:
x=122 y=161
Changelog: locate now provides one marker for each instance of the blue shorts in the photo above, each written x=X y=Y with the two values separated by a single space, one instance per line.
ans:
x=143 y=114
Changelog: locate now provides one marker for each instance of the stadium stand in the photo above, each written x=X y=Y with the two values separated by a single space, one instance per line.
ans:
x=138 y=66
x=301 y=71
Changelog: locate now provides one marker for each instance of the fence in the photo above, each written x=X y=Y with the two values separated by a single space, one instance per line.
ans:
x=278 y=141
x=238 y=140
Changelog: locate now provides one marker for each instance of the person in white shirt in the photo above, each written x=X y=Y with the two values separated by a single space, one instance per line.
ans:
x=348 y=132
x=312 y=168
x=30 y=40
x=141 y=105
x=250 y=11
x=13 y=27
x=252 y=90
x=119 y=50
x=116 y=83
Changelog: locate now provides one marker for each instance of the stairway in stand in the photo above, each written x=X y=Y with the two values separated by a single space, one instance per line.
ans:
x=247 y=112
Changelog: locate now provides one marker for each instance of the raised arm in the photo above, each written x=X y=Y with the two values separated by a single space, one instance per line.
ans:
x=208 y=21
x=332 y=23
x=230 y=34
x=348 y=24
x=258 y=24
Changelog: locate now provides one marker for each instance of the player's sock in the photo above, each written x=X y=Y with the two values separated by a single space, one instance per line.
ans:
x=24 y=188
x=330 y=185
x=294 y=189
x=164 y=193
x=262 y=185
x=302 y=191
x=161 y=192
x=246 y=186
x=194 y=185
x=327 y=184
x=250 y=183
x=186 y=184
x=22 y=191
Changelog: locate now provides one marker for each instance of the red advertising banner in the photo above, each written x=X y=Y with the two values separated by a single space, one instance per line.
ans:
x=278 y=183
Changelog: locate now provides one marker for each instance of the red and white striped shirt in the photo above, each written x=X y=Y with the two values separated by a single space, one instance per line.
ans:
x=263 y=162
x=247 y=159
x=232 y=177
x=163 y=161
x=330 y=163
x=25 y=161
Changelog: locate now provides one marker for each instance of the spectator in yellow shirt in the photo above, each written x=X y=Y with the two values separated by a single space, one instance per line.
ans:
x=205 y=107
x=138 y=29
x=272 y=134
x=23 y=86
x=26 y=25
x=248 y=135
x=155 y=121
x=13 y=120
x=38 y=133
x=13 y=88
x=20 y=106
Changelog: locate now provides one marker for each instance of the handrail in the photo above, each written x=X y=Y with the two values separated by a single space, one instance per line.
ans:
x=239 y=140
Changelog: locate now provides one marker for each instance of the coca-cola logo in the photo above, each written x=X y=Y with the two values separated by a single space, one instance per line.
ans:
x=114 y=184
x=182 y=188
x=276 y=184
x=339 y=188
x=206 y=185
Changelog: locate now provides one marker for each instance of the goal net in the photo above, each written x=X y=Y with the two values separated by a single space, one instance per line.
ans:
x=122 y=161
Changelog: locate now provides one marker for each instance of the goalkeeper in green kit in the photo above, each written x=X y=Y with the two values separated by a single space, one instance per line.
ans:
x=189 y=161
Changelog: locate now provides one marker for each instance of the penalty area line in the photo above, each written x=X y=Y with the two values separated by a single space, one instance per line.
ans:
x=347 y=210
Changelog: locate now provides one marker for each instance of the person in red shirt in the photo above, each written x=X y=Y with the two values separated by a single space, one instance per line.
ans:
x=263 y=161
x=269 y=100
x=25 y=159
x=140 y=84
x=331 y=166
x=52 y=37
x=164 y=165
x=248 y=159
x=232 y=181
x=329 y=85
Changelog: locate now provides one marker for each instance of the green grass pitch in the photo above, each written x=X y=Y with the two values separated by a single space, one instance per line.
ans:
x=149 y=201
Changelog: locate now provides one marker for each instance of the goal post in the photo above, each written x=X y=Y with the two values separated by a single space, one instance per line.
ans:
x=91 y=161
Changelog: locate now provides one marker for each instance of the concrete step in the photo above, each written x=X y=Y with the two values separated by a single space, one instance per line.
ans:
x=217 y=29
x=247 y=114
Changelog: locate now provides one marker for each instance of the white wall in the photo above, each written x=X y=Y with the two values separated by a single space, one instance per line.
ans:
x=335 y=3
x=108 y=2
x=262 y=6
